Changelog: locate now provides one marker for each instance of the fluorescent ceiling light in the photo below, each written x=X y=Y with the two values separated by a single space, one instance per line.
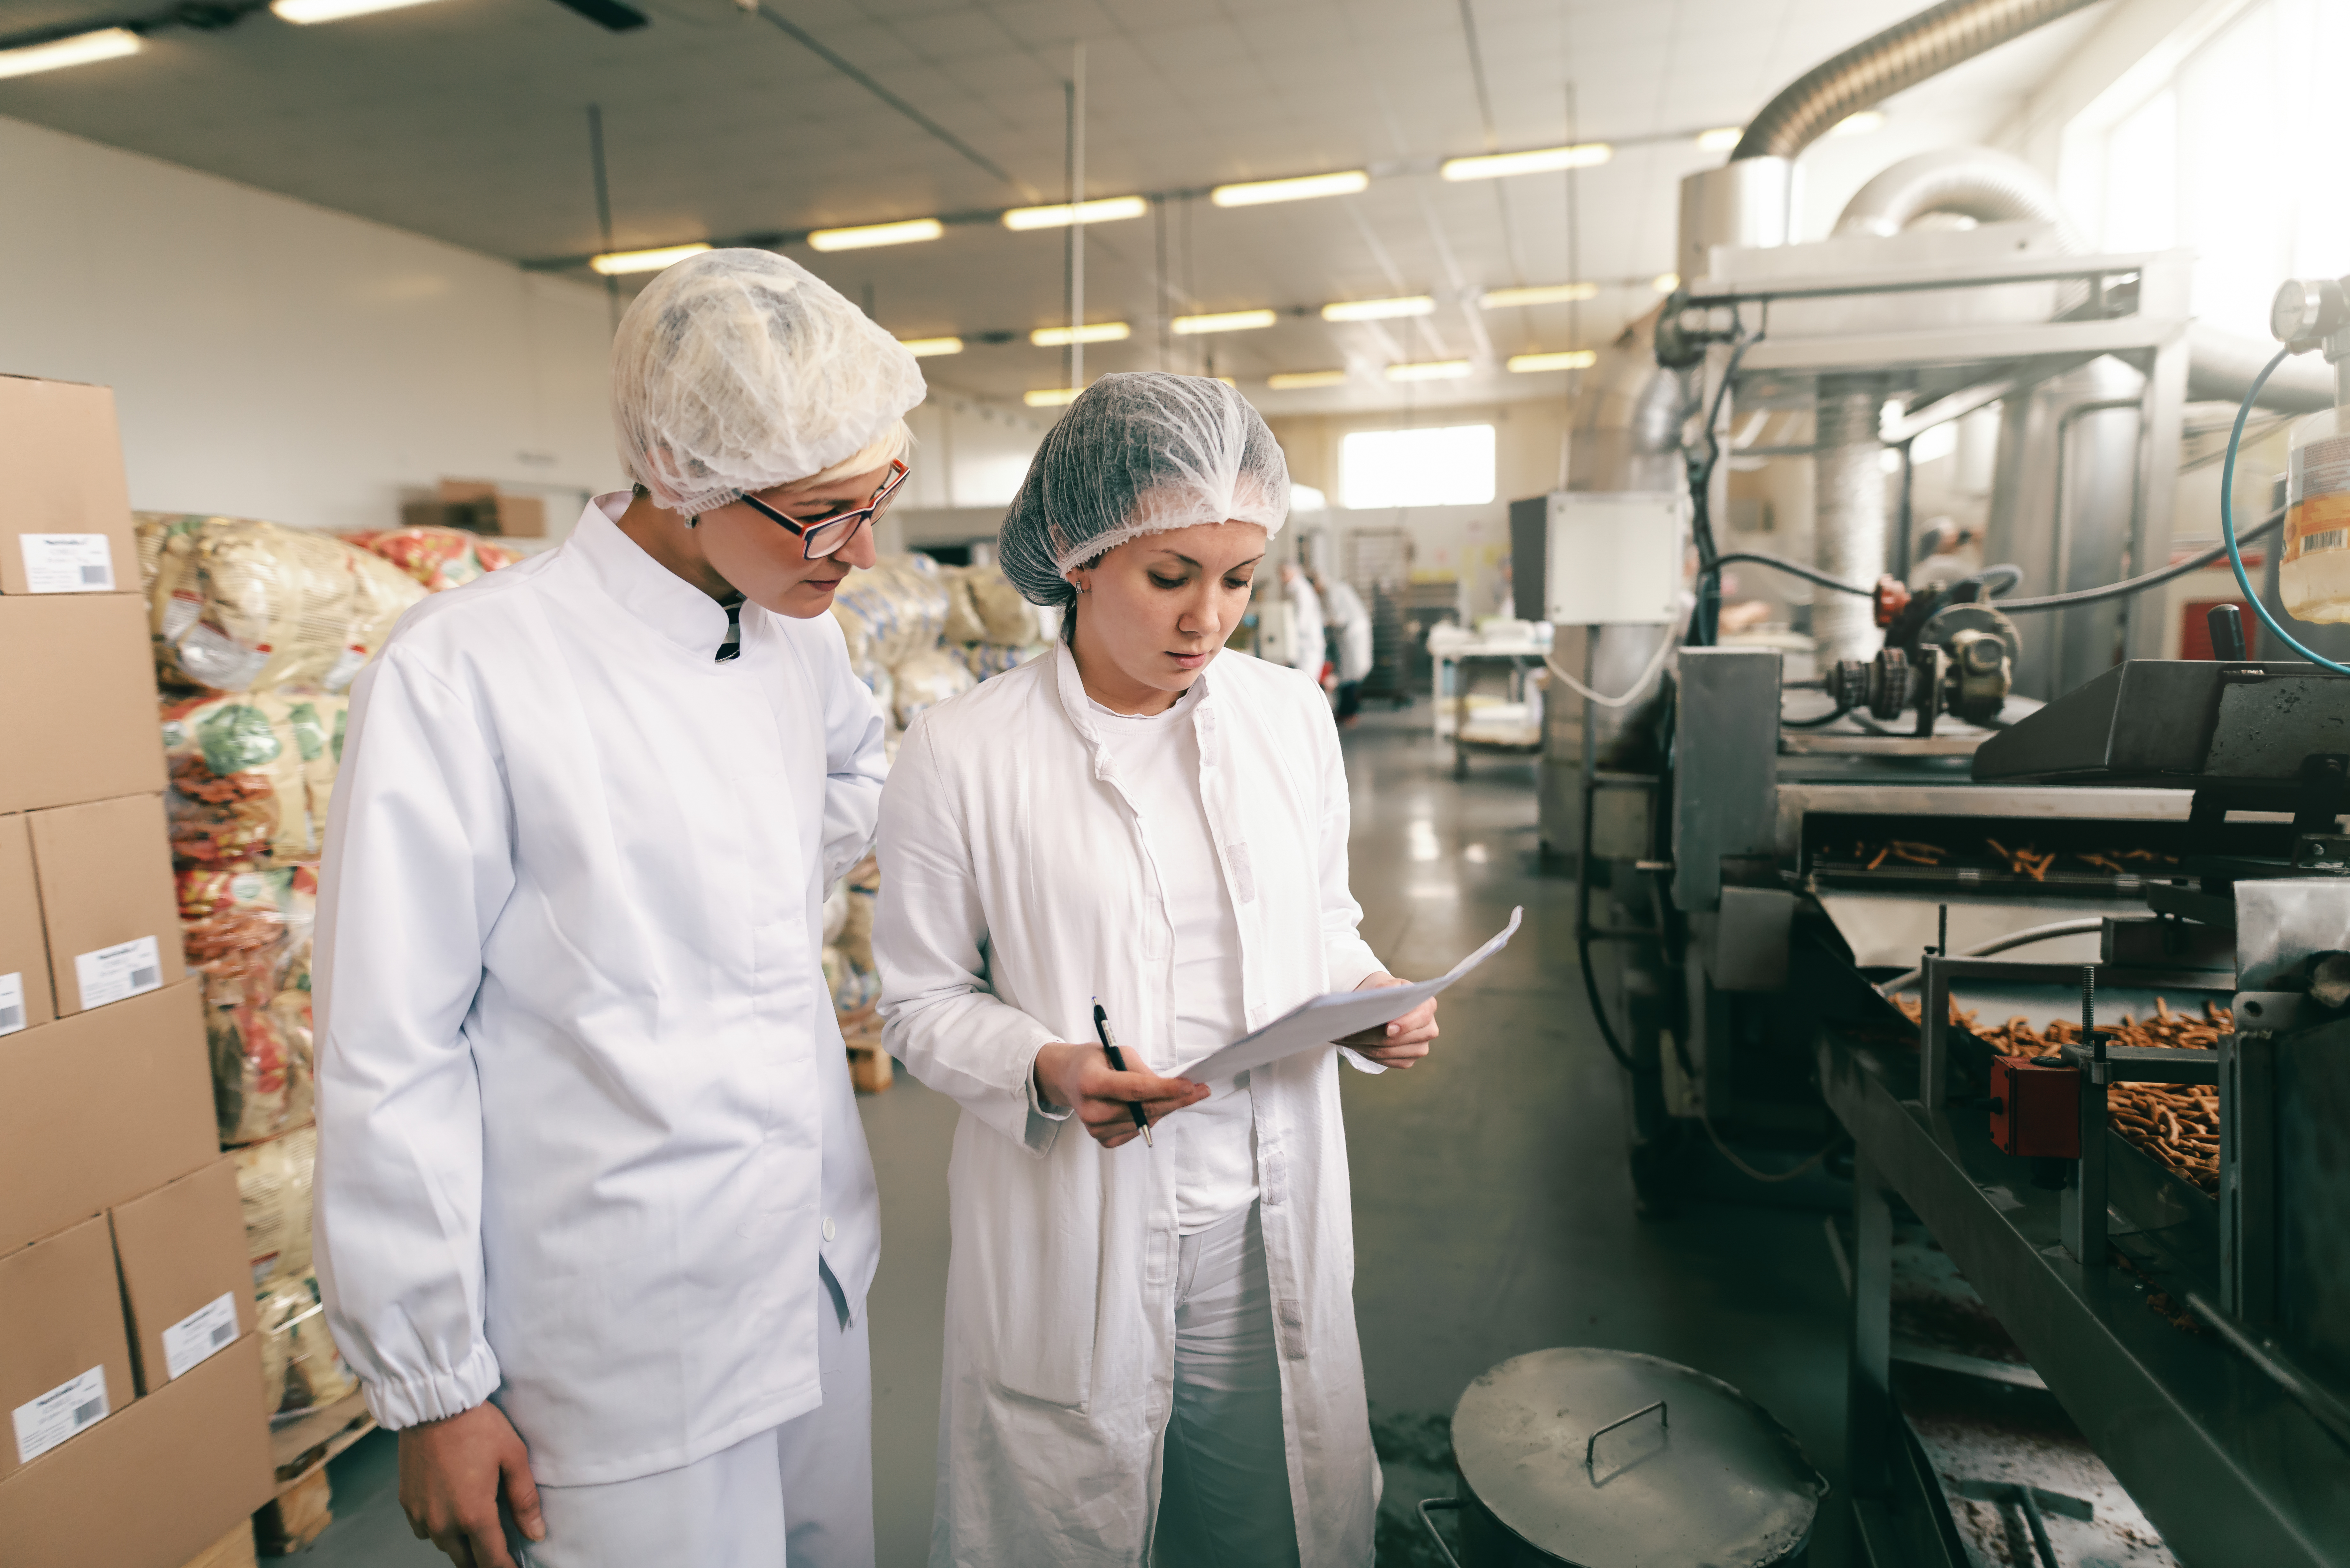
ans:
x=923 y=347
x=618 y=262
x=105 y=44
x=869 y=235
x=1051 y=397
x=1541 y=161
x=1298 y=380
x=1721 y=139
x=1092 y=332
x=1666 y=282
x=1230 y=321
x=1545 y=293
x=1430 y=370
x=1256 y=192
x=309 y=11
x=1108 y=210
x=1860 y=124
x=1377 y=309
x=1570 y=359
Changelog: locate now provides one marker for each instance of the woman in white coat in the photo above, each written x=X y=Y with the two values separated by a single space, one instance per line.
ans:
x=1150 y=1350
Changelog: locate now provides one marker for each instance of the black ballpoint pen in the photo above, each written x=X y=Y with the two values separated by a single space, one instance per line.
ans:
x=1117 y=1064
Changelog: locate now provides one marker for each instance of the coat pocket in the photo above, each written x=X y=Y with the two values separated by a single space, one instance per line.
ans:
x=1025 y=1275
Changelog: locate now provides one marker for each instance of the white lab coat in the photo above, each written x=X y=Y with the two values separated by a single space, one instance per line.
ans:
x=585 y=1118
x=1305 y=610
x=1015 y=890
x=1352 y=620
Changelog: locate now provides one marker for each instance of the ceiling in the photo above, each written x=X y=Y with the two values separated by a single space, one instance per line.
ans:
x=467 y=120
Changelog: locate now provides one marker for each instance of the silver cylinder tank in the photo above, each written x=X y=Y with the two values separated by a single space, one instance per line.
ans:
x=1849 y=539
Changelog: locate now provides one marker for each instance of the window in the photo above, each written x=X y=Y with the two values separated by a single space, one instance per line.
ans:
x=1451 y=466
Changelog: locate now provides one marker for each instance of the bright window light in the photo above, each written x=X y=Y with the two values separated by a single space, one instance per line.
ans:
x=1306 y=498
x=908 y=232
x=81 y=49
x=1934 y=442
x=1430 y=370
x=1448 y=466
x=923 y=347
x=1108 y=210
x=1567 y=360
x=1230 y=321
x=309 y=11
x=1092 y=332
x=1299 y=380
x=1540 y=161
x=1256 y=192
x=1542 y=294
x=615 y=263
x=1860 y=124
x=1721 y=139
x=1051 y=397
x=1379 y=310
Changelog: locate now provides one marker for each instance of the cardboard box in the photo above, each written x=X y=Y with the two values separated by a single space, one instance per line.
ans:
x=101 y=1107
x=107 y=903
x=66 y=526
x=24 y=951
x=185 y=1282
x=154 y=1487
x=475 y=505
x=65 y=1364
x=80 y=708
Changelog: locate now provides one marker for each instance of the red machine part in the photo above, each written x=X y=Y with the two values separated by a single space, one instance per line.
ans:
x=2035 y=1110
x=1892 y=598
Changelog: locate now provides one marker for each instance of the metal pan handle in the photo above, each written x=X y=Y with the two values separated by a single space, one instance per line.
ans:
x=1664 y=1418
x=1424 y=1504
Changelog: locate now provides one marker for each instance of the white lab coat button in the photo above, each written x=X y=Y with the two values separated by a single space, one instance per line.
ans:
x=828 y=1231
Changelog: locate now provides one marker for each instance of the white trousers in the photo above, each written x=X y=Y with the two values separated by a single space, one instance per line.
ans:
x=800 y=1494
x=1223 y=1499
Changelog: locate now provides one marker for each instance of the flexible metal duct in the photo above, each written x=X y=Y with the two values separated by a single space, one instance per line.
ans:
x=1875 y=69
x=1978 y=182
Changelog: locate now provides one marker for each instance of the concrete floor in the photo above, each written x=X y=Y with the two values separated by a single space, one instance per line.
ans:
x=1492 y=1212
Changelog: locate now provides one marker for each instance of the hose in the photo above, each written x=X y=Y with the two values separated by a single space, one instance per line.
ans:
x=1781 y=563
x=2228 y=518
x=2080 y=928
x=1632 y=695
x=2154 y=580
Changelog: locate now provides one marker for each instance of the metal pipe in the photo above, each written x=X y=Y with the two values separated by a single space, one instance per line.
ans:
x=1978 y=182
x=2060 y=544
x=1850 y=541
x=1877 y=67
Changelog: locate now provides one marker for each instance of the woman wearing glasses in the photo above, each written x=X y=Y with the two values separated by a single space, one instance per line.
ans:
x=595 y=1216
x=1150 y=1350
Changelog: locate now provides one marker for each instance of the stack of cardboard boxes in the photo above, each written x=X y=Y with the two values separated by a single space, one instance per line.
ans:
x=129 y=1361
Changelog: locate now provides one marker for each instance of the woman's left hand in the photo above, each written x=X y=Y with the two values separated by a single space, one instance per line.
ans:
x=1400 y=1044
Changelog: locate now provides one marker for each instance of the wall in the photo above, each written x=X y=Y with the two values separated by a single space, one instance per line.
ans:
x=274 y=360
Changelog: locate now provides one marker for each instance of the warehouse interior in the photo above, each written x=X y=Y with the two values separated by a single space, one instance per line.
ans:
x=1819 y=521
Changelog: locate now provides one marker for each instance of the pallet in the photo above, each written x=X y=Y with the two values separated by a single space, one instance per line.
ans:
x=298 y=1516
x=305 y=1443
x=233 y=1550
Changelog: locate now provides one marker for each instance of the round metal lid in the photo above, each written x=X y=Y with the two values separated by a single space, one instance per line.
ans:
x=1703 y=1476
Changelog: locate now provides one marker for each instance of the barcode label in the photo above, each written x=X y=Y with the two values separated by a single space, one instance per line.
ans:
x=67 y=562
x=12 y=1003
x=125 y=970
x=96 y=576
x=69 y=1407
x=2331 y=539
x=195 y=1336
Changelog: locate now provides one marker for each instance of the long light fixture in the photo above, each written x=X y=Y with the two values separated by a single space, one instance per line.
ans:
x=1377 y=309
x=1051 y=397
x=1091 y=332
x=1108 y=210
x=1256 y=192
x=923 y=347
x=1860 y=124
x=1542 y=294
x=1540 y=161
x=614 y=263
x=309 y=11
x=1299 y=380
x=869 y=235
x=1430 y=370
x=1229 y=321
x=1569 y=359
x=81 y=49
x=1721 y=139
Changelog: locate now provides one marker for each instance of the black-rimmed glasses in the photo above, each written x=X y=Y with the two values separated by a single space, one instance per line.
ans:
x=830 y=536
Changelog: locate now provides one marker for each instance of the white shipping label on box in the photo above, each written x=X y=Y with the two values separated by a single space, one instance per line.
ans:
x=43 y=1423
x=116 y=974
x=212 y=1326
x=67 y=563
x=12 y=1003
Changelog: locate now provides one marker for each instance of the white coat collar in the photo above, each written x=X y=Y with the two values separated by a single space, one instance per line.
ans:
x=643 y=586
x=1071 y=687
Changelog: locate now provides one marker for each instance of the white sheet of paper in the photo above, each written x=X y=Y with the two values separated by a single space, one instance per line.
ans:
x=1330 y=1018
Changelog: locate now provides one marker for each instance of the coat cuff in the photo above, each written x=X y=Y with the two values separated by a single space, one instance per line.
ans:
x=1043 y=1127
x=398 y=1402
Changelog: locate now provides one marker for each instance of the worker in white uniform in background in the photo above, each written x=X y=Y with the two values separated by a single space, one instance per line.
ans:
x=596 y=1219
x=1350 y=618
x=1310 y=655
x=1150 y=1352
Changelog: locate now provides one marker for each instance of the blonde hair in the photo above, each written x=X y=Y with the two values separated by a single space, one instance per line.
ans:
x=887 y=448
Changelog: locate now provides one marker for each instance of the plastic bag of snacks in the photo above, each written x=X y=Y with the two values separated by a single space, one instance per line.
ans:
x=301 y=1367
x=892 y=611
x=986 y=658
x=238 y=605
x=440 y=558
x=248 y=937
x=988 y=609
x=239 y=795
x=273 y=1190
x=926 y=679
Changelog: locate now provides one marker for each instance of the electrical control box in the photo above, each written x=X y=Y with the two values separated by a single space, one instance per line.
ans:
x=2035 y=1110
x=1610 y=557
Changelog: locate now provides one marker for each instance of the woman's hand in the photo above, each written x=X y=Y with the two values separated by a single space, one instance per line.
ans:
x=1402 y=1043
x=1080 y=1076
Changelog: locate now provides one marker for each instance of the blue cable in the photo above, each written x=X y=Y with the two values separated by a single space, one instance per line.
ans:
x=2228 y=521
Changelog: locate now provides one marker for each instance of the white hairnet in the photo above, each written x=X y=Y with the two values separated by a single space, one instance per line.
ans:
x=1138 y=453
x=739 y=371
